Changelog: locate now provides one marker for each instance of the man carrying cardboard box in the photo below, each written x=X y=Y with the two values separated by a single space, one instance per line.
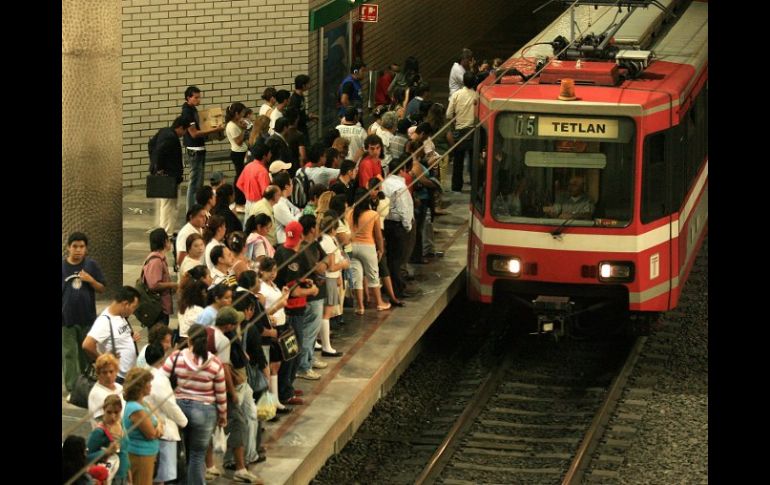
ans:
x=195 y=140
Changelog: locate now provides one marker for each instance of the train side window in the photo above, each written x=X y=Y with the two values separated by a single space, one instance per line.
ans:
x=654 y=181
x=479 y=169
x=675 y=159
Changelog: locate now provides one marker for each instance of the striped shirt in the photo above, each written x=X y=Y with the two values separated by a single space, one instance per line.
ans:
x=198 y=381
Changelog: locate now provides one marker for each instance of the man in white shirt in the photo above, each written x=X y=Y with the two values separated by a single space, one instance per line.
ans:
x=463 y=105
x=196 y=219
x=282 y=99
x=284 y=211
x=458 y=69
x=354 y=133
x=112 y=325
x=399 y=220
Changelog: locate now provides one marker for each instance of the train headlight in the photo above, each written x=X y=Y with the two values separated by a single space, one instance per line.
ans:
x=616 y=271
x=505 y=265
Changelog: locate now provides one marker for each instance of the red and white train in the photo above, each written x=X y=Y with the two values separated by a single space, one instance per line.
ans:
x=594 y=199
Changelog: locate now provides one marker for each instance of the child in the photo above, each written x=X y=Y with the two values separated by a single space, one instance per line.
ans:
x=108 y=438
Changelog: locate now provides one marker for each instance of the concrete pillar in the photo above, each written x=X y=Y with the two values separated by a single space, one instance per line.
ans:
x=92 y=130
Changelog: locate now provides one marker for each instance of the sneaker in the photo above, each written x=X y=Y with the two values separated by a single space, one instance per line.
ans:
x=319 y=364
x=245 y=476
x=69 y=396
x=310 y=375
x=317 y=345
x=213 y=472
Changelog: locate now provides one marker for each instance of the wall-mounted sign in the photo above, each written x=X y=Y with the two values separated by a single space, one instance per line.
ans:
x=368 y=12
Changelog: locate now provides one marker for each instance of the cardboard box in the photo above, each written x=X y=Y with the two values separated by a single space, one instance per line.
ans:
x=211 y=117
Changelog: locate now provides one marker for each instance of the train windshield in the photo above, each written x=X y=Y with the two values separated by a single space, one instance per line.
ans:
x=562 y=170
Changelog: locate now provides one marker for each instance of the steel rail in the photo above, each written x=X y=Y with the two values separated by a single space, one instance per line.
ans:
x=443 y=453
x=595 y=432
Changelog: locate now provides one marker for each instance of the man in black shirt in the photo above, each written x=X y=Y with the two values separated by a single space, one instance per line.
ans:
x=311 y=250
x=292 y=273
x=297 y=101
x=346 y=182
x=194 y=141
x=166 y=159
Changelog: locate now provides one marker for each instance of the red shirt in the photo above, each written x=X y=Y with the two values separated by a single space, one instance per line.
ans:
x=408 y=179
x=253 y=180
x=381 y=92
x=368 y=168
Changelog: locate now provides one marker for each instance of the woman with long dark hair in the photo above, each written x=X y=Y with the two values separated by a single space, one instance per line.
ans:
x=225 y=197
x=200 y=380
x=368 y=247
x=235 y=130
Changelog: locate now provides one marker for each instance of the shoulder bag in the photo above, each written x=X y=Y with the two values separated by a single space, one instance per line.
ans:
x=85 y=382
x=149 y=308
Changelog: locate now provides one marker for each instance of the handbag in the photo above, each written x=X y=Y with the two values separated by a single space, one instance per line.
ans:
x=254 y=376
x=149 y=308
x=85 y=381
x=287 y=342
x=161 y=187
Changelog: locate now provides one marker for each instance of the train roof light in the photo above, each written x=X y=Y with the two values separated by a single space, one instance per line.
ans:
x=567 y=92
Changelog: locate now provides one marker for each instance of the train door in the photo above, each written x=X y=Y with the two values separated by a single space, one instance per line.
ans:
x=656 y=263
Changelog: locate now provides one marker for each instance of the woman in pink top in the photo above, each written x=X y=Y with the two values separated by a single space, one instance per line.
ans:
x=257 y=245
x=367 y=247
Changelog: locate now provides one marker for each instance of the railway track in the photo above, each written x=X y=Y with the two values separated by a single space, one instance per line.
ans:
x=537 y=417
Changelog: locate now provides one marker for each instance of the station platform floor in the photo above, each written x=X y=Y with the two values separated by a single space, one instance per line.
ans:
x=377 y=346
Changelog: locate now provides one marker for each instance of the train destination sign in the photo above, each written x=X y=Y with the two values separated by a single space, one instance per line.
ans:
x=577 y=127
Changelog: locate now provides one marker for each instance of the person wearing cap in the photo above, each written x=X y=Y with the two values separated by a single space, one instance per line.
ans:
x=227 y=321
x=278 y=166
x=216 y=179
x=352 y=131
x=292 y=273
x=255 y=178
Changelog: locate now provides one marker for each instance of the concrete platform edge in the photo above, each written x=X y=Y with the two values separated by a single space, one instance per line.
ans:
x=386 y=376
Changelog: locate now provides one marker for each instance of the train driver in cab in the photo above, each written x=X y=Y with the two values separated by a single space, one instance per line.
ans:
x=574 y=204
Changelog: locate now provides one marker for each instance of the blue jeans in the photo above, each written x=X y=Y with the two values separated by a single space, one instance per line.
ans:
x=311 y=326
x=201 y=420
x=288 y=371
x=197 y=162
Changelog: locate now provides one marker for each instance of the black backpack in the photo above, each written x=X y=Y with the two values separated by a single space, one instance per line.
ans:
x=301 y=188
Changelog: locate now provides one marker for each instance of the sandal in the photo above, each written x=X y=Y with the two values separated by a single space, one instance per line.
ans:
x=360 y=311
x=383 y=307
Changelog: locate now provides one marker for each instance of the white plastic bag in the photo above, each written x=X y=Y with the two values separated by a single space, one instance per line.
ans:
x=266 y=406
x=220 y=440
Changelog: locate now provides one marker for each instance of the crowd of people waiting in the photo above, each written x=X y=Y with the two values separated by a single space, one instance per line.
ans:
x=305 y=228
